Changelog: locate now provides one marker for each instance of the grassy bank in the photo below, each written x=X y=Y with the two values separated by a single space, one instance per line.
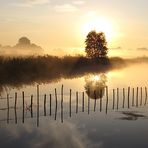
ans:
x=41 y=69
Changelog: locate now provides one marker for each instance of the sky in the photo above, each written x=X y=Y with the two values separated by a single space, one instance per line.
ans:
x=61 y=26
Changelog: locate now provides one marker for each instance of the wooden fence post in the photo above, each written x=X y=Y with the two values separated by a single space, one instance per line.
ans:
x=31 y=106
x=106 y=98
x=145 y=95
x=82 y=101
x=128 y=97
x=77 y=102
x=8 y=108
x=62 y=104
x=45 y=105
x=95 y=100
x=70 y=104
x=15 y=115
x=15 y=96
x=38 y=102
x=137 y=97
x=56 y=104
x=88 y=100
x=23 y=107
x=101 y=94
x=117 y=98
x=123 y=97
x=50 y=104
x=113 y=99
x=141 y=97
x=133 y=97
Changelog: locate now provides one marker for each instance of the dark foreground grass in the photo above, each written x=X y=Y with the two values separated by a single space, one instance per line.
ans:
x=17 y=71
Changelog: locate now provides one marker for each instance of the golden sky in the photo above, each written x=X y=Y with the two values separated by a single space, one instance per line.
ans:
x=64 y=24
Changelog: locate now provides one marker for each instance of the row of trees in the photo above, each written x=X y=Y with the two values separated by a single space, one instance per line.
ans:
x=96 y=45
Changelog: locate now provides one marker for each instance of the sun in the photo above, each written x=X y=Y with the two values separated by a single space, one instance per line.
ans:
x=95 y=78
x=100 y=25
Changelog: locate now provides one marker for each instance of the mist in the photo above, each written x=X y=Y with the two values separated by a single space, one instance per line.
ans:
x=18 y=71
x=24 y=47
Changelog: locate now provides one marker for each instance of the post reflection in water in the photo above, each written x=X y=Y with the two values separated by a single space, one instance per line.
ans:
x=73 y=101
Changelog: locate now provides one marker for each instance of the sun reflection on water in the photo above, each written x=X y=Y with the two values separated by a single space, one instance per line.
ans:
x=95 y=85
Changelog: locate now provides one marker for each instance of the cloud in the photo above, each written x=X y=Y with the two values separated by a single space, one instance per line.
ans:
x=23 y=47
x=143 y=48
x=78 y=2
x=51 y=135
x=36 y=2
x=30 y=3
x=65 y=8
x=25 y=5
x=69 y=7
x=116 y=48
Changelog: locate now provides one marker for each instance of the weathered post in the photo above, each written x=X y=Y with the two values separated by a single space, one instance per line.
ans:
x=117 y=98
x=145 y=95
x=31 y=106
x=15 y=96
x=76 y=102
x=38 y=105
x=82 y=101
x=128 y=97
x=95 y=100
x=123 y=97
x=137 y=97
x=62 y=94
x=62 y=104
x=45 y=105
x=141 y=97
x=8 y=101
x=106 y=98
x=15 y=115
x=8 y=108
x=133 y=97
x=23 y=106
x=56 y=104
x=88 y=100
x=113 y=99
x=50 y=104
x=70 y=104
x=101 y=92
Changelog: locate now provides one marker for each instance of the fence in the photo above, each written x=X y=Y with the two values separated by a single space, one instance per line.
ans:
x=135 y=97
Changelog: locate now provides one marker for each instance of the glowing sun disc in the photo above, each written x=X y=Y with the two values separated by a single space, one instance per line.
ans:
x=100 y=25
x=95 y=78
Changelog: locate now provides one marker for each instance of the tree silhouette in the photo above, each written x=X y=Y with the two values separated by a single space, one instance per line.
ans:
x=24 y=41
x=96 y=45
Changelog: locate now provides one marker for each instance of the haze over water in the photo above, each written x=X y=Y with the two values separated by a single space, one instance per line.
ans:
x=96 y=129
x=73 y=74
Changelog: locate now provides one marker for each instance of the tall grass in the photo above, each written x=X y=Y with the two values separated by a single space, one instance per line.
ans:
x=17 y=71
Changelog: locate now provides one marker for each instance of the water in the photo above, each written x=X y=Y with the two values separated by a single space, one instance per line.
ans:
x=92 y=125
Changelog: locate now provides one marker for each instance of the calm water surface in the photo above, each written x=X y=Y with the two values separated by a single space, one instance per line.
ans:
x=87 y=123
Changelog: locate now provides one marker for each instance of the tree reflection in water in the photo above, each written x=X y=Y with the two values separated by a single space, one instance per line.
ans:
x=95 y=85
